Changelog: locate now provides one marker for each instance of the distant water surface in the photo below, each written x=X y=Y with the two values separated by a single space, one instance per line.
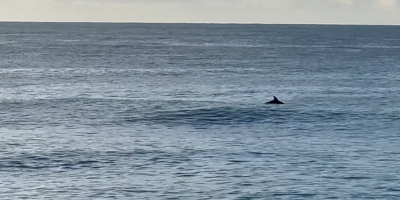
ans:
x=176 y=111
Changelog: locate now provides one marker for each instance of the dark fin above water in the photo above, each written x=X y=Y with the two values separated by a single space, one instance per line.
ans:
x=275 y=101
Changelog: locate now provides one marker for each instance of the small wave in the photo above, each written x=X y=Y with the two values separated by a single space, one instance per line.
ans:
x=303 y=195
x=202 y=116
x=241 y=115
x=79 y=159
x=38 y=161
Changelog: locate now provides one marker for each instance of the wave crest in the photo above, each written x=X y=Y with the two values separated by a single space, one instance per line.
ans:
x=241 y=115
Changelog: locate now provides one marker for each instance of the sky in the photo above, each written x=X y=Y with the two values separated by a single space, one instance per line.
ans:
x=205 y=11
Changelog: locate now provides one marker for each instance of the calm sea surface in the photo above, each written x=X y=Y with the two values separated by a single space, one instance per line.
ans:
x=176 y=111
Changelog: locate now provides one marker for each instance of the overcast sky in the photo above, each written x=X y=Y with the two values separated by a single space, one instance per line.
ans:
x=214 y=11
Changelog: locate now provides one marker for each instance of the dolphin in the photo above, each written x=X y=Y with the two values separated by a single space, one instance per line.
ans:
x=275 y=101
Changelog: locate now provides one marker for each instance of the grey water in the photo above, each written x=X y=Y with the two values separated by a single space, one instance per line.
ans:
x=176 y=111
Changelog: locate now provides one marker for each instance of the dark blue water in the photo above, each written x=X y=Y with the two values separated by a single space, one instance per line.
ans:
x=176 y=111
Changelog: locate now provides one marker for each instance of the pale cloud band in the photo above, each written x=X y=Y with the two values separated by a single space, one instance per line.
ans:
x=214 y=11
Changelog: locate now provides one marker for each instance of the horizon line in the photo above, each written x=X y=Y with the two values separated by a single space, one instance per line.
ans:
x=216 y=23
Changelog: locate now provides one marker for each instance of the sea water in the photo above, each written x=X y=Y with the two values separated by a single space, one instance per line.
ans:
x=176 y=111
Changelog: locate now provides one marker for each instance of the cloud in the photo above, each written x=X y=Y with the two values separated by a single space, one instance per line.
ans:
x=390 y=5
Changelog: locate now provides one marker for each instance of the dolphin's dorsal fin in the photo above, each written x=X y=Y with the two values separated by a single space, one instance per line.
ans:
x=275 y=101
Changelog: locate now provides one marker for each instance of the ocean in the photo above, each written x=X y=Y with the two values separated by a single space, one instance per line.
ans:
x=177 y=111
